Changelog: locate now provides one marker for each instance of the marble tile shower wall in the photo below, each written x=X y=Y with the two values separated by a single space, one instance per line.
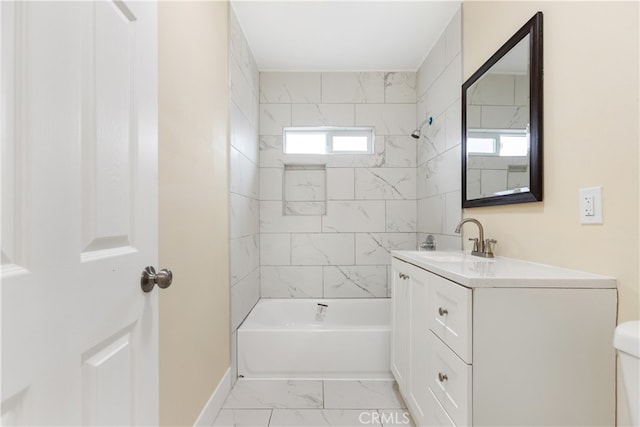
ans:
x=244 y=176
x=370 y=199
x=438 y=166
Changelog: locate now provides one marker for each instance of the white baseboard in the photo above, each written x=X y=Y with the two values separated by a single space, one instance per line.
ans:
x=214 y=404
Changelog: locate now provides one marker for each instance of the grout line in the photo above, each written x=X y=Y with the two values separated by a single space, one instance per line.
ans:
x=290 y=249
x=355 y=118
x=323 y=296
x=355 y=253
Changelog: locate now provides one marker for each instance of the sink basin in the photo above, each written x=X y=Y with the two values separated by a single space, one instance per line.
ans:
x=442 y=257
x=451 y=257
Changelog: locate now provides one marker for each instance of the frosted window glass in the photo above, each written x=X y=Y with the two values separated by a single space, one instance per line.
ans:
x=328 y=140
x=481 y=145
x=350 y=143
x=305 y=143
x=514 y=145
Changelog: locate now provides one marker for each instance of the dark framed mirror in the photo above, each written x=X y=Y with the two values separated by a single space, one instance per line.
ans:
x=502 y=124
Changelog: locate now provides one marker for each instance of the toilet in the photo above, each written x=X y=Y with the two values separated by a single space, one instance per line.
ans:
x=627 y=341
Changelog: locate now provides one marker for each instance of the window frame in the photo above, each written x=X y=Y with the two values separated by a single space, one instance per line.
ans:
x=496 y=135
x=330 y=132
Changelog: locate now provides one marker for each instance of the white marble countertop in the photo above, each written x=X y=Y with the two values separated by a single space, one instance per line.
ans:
x=500 y=272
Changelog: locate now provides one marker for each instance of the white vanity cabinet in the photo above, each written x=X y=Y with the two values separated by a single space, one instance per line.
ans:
x=502 y=342
x=409 y=345
x=400 y=323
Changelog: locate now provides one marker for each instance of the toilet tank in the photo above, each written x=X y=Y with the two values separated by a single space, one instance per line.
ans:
x=627 y=341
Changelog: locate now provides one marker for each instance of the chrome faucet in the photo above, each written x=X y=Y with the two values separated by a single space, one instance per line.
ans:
x=429 y=244
x=481 y=247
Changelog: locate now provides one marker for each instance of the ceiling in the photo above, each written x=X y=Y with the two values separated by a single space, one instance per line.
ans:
x=339 y=35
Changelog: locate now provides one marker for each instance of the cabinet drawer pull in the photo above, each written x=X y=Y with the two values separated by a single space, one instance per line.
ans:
x=403 y=276
x=442 y=377
x=442 y=311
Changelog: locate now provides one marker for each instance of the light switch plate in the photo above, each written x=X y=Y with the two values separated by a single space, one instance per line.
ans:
x=590 y=203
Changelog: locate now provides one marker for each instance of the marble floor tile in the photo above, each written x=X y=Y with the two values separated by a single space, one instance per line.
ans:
x=293 y=394
x=324 y=417
x=243 y=418
x=362 y=394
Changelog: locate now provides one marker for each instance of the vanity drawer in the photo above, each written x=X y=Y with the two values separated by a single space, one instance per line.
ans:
x=450 y=381
x=450 y=316
x=436 y=415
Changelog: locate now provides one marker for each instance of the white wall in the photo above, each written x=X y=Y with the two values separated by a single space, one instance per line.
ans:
x=244 y=184
x=439 y=183
x=370 y=199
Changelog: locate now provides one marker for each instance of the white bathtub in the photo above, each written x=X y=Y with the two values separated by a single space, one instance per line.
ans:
x=281 y=338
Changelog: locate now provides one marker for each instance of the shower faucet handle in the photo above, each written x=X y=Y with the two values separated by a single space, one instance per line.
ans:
x=429 y=244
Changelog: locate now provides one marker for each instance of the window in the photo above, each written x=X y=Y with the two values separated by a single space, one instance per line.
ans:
x=505 y=143
x=481 y=145
x=328 y=140
x=514 y=145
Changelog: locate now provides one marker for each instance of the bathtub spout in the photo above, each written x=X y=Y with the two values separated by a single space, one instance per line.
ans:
x=320 y=312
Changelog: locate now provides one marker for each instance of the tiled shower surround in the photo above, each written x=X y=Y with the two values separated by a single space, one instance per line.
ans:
x=244 y=185
x=370 y=199
x=373 y=203
x=439 y=81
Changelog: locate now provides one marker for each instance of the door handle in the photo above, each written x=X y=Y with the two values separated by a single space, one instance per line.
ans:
x=150 y=278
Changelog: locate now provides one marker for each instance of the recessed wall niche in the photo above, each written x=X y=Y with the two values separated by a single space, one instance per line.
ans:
x=304 y=189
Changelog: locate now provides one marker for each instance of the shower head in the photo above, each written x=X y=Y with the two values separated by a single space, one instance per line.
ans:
x=416 y=133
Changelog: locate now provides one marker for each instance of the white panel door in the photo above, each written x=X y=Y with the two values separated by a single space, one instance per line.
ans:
x=79 y=213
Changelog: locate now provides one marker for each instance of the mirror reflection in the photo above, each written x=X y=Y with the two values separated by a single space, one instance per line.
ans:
x=498 y=127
